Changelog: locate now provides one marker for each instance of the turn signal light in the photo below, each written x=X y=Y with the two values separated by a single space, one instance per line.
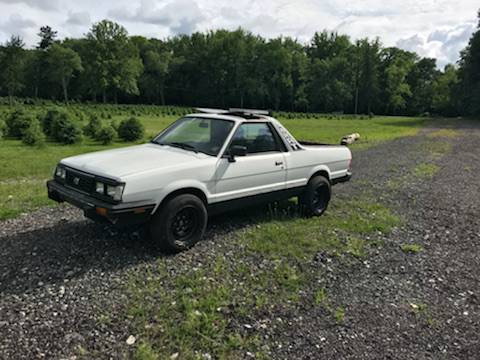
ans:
x=101 y=211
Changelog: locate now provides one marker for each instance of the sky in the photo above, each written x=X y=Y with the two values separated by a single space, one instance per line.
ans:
x=432 y=28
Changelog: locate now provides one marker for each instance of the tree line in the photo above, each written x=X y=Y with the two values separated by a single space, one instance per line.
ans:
x=224 y=68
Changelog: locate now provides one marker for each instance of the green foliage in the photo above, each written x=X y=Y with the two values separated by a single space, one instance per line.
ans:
x=34 y=135
x=425 y=170
x=63 y=62
x=131 y=129
x=17 y=122
x=339 y=315
x=60 y=125
x=330 y=74
x=3 y=128
x=93 y=126
x=12 y=63
x=106 y=135
x=469 y=87
x=411 y=248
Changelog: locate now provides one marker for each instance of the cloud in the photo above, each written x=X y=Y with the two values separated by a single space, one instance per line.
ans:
x=181 y=16
x=443 y=44
x=17 y=25
x=40 y=4
x=80 y=18
x=434 y=28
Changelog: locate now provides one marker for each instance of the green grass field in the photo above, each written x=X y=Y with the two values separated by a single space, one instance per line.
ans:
x=24 y=170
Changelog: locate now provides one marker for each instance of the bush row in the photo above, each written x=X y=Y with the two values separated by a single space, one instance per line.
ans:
x=64 y=128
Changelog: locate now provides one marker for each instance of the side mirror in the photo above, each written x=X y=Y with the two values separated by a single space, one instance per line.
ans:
x=236 y=150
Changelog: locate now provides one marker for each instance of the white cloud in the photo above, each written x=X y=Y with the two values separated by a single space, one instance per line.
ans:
x=40 y=4
x=22 y=26
x=78 y=18
x=181 y=16
x=437 y=28
x=443 y=44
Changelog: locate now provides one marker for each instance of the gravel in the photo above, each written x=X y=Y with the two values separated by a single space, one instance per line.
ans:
x=60 y=272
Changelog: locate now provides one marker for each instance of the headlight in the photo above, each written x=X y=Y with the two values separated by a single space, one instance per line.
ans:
x=115 y=191
x=100 y=187
x=60 y=172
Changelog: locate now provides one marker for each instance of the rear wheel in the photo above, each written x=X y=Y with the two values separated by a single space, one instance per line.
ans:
x=179 y=224
x=314 y=201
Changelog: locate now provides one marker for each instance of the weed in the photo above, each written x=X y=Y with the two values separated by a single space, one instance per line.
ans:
x=425 y=170
x=339 y=315
x=411 y=248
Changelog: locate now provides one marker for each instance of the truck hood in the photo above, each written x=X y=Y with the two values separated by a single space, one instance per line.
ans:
x=118 y=163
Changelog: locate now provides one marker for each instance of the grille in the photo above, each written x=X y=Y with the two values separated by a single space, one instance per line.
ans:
x=82 y=182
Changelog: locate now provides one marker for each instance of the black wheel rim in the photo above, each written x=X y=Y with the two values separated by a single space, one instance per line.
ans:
x=184 y=224
x=320 y=198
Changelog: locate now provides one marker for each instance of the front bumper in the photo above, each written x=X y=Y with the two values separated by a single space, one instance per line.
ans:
x=98 y=210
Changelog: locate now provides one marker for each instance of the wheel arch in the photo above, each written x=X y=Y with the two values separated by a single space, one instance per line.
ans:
x=186 y=190
x=321 y=172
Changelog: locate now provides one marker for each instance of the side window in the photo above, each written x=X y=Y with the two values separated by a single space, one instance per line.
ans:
x=256 y=137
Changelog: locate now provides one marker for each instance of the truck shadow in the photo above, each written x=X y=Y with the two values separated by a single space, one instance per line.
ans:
x=71 y=249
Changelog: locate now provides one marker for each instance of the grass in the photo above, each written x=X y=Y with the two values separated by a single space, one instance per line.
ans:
x=372 y=131
x=425 y=170
x=341 y=227
x=444 y=133
x=411 y=248
x=213 y=308
x=24 y=170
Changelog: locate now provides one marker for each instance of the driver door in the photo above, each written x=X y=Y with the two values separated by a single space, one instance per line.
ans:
x=261 y=171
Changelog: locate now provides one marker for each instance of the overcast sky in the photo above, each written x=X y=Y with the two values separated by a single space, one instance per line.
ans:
x=434 y=28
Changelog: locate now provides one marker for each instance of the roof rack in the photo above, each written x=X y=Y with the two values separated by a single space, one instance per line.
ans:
x=246 y=113
x=211 y=111
x=249 y=111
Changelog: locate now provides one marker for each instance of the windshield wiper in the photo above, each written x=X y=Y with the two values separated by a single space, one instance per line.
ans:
x=183 y=146
x=156 y=143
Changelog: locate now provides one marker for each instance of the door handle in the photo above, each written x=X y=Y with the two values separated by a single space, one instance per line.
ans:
x=278 y=163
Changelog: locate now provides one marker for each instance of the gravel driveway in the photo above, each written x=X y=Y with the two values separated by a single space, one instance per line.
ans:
x=58 y=271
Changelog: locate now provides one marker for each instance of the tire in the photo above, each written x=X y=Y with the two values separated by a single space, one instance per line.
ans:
x=314 y=200
x=179 y=224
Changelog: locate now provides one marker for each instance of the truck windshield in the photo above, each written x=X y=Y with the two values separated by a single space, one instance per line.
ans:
x=196 y=134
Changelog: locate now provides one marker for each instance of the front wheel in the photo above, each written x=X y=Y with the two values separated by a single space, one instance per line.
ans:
x=179 y=224
x=314 y=201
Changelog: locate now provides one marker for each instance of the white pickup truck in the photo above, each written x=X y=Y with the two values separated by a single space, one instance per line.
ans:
x=202 y=164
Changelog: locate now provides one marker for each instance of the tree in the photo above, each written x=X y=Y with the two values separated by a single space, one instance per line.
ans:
x=47 y=37
x=331 y=75
x=116 y=63
x=396 y=66
x=12 y=64
x=157 y=66
x=469 y=74
x=37 y=71
x=420 y=79
x=63 y=63
x=443 y=89
x=367 y=62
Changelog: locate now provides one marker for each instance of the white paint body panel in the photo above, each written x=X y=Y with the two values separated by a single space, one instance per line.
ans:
x=151 y=172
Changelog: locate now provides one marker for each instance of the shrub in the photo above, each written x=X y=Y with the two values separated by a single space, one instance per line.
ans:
x=61 y=127
x=18 y=122
x=68 y=133
x=53 y=116
x=34 y=135
x=131 y=129
x=93 y=126
x=115 y=125
x=106 y=135
x=2 y=128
